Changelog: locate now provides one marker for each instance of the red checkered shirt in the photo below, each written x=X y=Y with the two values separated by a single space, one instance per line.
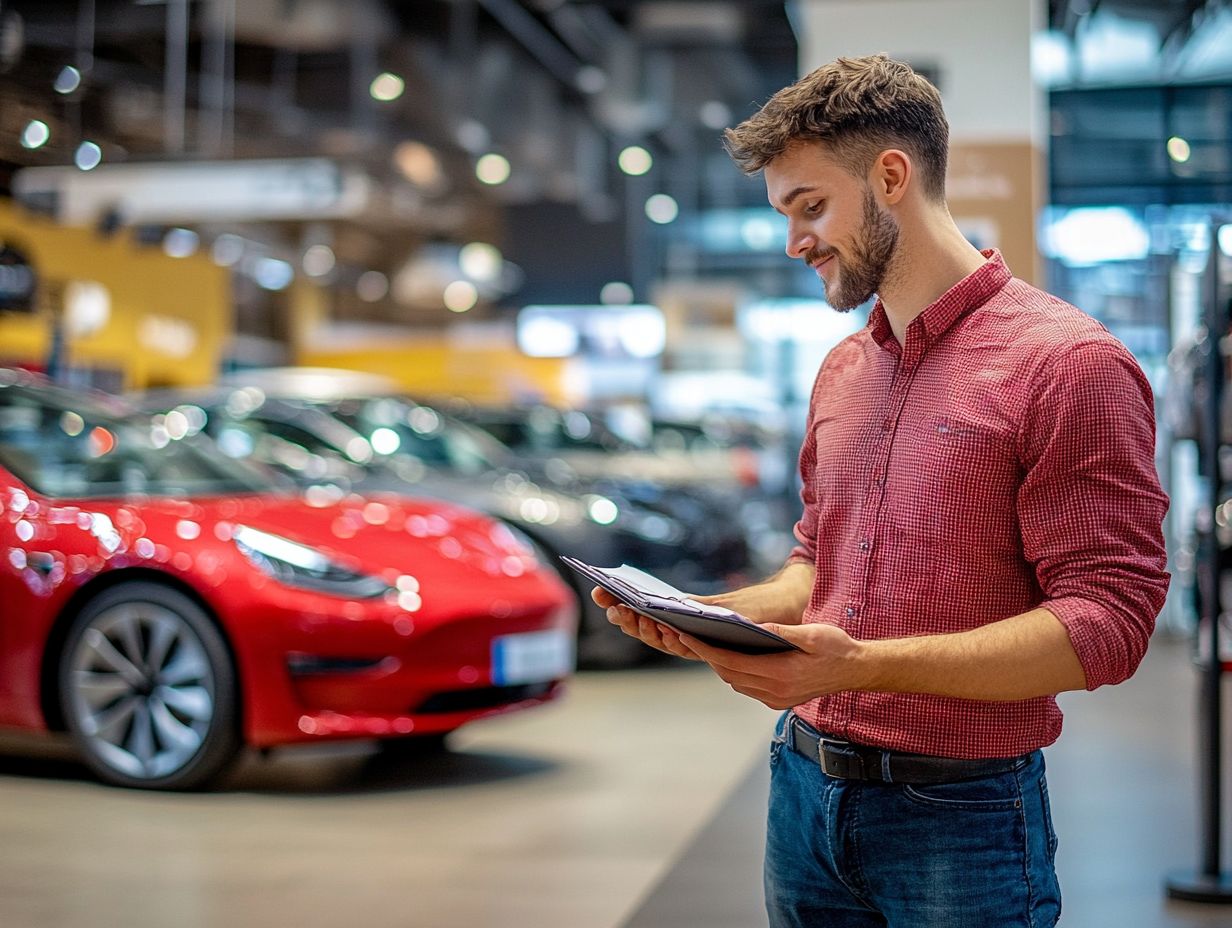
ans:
x=1001 y=460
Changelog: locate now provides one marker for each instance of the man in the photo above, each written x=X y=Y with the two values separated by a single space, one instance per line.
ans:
x=981 y=531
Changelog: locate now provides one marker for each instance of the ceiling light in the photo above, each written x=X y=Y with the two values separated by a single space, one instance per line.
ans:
x=273 y=274
x=318 y=260
x=227 y=250
x=180 y=243
x=662 y=209
x=460 y=296
x=1095 y=235
x=88 y=156
x=1052 y=58
x=542 y=336
x=643 y=334
x=635 y=160
x=372 y=286
x=387 y=86
x=35 y=134
x=68 y=80
x=616 y=292
x=1178 y=149
x=87 y=307
x=480 y=261
x=492 y=168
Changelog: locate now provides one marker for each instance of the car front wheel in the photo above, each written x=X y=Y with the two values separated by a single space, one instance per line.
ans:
x=147 y=687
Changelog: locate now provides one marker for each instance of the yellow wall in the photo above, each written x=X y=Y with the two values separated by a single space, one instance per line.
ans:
x=169 y=316
x=431 y=369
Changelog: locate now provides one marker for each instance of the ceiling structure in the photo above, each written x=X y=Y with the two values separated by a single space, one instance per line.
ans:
x=1141 y=41
x=556 y=87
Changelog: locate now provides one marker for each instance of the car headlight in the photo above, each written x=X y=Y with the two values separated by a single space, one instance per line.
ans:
x=601 y=509
x=299 y=565
x=625 y=516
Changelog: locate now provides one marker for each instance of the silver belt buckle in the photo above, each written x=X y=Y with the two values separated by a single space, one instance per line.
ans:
x=821 y=756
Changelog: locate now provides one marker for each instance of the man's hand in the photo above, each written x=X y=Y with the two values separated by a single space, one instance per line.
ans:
x=635 y=625
x=825 y=663
x=828 y=662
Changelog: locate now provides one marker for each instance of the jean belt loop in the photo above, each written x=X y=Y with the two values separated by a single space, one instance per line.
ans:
x=885 y=767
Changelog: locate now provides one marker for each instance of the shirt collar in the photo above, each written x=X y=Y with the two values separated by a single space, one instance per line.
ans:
x=972 y=291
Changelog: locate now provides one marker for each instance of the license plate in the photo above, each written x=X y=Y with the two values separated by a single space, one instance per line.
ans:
x=531 y=657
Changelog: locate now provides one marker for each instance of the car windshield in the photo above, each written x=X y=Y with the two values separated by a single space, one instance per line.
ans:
x=547 y=430
x=64 y=445
x=393 y=425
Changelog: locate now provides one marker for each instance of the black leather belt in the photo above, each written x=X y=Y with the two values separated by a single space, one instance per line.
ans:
x=848 y=761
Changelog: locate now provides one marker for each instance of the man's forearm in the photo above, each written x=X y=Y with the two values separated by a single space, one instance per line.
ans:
x=1021 y=657
x=780 y=599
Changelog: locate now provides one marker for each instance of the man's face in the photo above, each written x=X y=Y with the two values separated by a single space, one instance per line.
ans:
x=834 y=223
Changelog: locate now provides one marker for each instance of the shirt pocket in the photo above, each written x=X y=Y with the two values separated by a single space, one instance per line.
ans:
x=970 y=469
x=970 y=477
x=957 y=443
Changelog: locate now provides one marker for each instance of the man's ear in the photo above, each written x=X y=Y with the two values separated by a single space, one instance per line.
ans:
x=891 y=175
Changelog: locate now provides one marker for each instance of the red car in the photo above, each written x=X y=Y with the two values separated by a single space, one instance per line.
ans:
x=165 y=607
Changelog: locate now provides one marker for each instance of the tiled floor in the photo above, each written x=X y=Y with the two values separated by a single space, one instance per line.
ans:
x=637 y=803
x=564 y=816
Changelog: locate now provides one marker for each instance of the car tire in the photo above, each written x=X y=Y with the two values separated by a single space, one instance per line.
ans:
x=148 y=691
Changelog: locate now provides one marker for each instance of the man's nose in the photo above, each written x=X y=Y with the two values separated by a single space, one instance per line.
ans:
x=799 y=243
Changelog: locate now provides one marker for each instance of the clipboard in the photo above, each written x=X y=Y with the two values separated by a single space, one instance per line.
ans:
x=649 y=596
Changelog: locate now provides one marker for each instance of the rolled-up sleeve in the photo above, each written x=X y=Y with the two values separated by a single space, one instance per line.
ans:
x=1091 y=508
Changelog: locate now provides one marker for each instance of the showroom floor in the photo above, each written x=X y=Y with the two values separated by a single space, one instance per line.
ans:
x=636 y=803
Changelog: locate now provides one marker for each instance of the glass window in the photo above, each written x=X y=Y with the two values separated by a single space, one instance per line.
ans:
x=63 y=446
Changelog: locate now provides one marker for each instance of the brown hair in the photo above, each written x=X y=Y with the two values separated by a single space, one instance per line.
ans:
x=858 y=107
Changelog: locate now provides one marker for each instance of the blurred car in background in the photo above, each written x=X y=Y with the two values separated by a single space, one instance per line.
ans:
x=758 y=455
x=584 y=442
x=166 y=607
x=741 y=467
x=331 y=442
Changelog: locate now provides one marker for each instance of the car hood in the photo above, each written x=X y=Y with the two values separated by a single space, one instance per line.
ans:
x=382 y=534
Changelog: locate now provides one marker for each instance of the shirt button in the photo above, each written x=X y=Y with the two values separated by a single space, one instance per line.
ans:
x=851 y=611
x=885 y=425
x=880 y=481
x=864 y=545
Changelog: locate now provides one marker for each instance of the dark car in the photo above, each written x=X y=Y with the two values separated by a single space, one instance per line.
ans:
x=737 y=468
x=335 y=445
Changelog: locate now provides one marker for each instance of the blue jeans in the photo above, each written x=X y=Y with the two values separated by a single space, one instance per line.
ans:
x=851 y=854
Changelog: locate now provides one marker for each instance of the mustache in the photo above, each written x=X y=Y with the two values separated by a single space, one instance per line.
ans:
x=819 y=254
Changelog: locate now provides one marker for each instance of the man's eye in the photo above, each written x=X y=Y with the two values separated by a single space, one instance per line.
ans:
x=814 y=208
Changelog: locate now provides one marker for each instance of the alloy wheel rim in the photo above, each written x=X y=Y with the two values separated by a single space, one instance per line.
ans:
x=142 y=690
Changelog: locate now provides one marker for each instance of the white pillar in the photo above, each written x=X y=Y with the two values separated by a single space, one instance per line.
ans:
x=978 y=52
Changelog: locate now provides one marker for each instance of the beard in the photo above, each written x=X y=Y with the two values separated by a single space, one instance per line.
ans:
x=864 y=273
